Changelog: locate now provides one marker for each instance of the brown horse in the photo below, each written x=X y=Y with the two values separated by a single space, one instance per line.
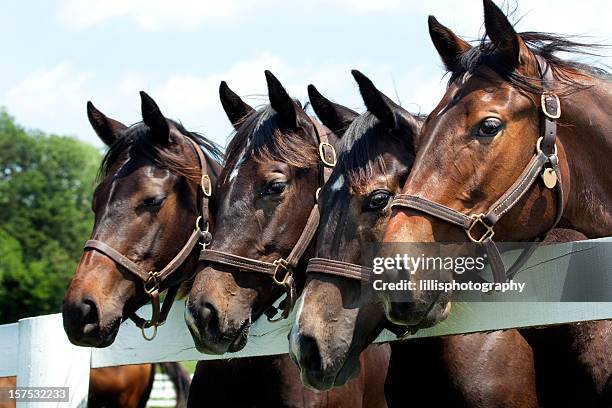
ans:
x=475 y=145
x=126 y=386
x=483 y=133
x=378 y=153
x=265 y=195
x=145 y=208
x=150 y=185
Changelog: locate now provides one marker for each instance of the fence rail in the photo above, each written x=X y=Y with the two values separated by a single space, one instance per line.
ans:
x=37 y=350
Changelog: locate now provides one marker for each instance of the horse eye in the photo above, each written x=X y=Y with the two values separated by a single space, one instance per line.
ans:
x=153 y=201
x=379 y=199
x=490 y=127
x=275 y=187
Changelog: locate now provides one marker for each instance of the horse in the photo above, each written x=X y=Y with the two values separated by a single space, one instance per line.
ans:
x=506 y=99
x=126 y=386
x=264 y=203
x=489 y=124
x=146 y=206
x=376 y=158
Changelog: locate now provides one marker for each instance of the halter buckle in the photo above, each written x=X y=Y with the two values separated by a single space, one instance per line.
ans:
x=545 y=98
x=539 y=147
x=152 y=283
x=325 y=149
x=280 y=265
x=479 y=219
x=206 y=185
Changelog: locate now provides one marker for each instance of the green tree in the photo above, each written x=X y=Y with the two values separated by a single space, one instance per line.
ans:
x=46 y=185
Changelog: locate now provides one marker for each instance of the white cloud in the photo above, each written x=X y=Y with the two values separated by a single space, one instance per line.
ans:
x=464 y=16
x=40 y=98
x=54 y=99
x=148 y=14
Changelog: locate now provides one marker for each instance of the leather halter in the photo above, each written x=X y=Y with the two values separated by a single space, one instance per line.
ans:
x=544 y=163
x=281 y=269
x=153 y=280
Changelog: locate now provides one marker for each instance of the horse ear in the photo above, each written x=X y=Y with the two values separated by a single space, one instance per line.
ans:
x=235 y=108
x=154 y=119
x=107 y=129
x=336 y=117
x=376 y=102
x=281 y=101
x=449 y=46
x=503 y=36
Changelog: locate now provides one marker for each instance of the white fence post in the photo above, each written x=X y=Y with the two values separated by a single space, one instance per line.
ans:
x=48 y=359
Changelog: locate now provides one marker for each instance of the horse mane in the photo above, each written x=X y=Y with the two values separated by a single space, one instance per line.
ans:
x=137 y=139
x=545 y=45
x=261 y=137
x=357 y=160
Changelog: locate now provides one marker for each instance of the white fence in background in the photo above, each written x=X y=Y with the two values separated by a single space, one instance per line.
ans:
x=37 y=350
x=162 y=393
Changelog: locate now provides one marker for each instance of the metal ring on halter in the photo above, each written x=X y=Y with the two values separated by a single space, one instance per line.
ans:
x=206 y=185
x=479 y=219
x=280 y=264
x=144 y=334
x=322 y=147
x=539 y=149
x=543 y=97
x=152 y=284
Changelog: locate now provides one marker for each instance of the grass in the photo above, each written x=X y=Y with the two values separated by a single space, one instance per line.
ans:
x=189 y=366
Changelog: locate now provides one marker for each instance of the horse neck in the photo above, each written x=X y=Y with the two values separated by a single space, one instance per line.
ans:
x=584 y=133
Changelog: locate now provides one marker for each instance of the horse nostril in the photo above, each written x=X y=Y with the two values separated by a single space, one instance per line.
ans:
x=208 y=316
x=310 y=355
x=90 y=316
x=204 y=315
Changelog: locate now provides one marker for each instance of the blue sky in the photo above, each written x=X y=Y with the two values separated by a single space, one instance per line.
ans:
x=59 y=54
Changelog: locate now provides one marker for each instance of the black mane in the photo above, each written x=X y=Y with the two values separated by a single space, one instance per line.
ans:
x=547 y=46
x=137 y=138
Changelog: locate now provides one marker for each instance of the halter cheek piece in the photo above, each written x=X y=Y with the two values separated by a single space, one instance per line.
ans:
x=544 y=164
x=153 y=280
x=281 y=269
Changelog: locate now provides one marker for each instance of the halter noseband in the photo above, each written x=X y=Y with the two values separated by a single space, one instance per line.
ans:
x=153 y=280
x=281 y=270
x=544 y=163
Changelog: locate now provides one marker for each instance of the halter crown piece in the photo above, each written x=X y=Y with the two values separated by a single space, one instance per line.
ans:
x=153 y=280
x=281 y=269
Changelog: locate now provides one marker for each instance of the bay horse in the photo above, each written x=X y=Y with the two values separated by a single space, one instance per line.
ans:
x=482 y=135
x=146 y=206
x=338 y=318
x=126 y=386
x=264 y=202
x=511 y=101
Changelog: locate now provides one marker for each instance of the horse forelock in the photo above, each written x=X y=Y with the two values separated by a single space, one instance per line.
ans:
x=261 y=137
x=360 y=159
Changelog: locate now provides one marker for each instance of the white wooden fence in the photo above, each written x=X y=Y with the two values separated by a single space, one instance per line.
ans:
x=162 y=393
x=37 y=350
